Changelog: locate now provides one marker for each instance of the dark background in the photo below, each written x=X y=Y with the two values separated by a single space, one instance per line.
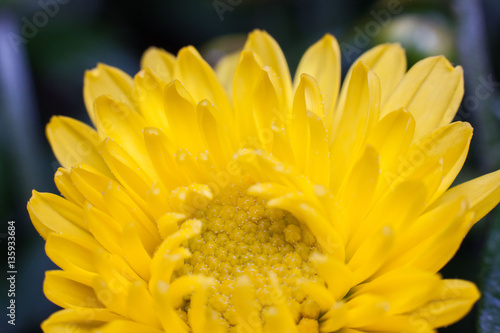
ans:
x=46 y=45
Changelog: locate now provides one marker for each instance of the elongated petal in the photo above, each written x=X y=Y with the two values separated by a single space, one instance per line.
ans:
x=371 y=255
x=318 y=167
x=358 y=116
x=74 y=142
x=106 y=81
x=266 y=108
x=149 y=95
x=160 y=62
x=78 y=320
x=246 y=310
x=391 y=138
x=456 y=298
x=65 y=185
x=336 y=274
x=61 y=288
x=225 y=69
x=322 y=61
x=140 y=305
x=181 y=116
x=123 y=125
x=246 y=77
x=51 y=213
x=394 y=287
x=200 y=80
x=270 y=54
x=364 y=309
x=431 y=90
x=388 y=61
x=73 y=255
x=91 y=184
x=483 y=193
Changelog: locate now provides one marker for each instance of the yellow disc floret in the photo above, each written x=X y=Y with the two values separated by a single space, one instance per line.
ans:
x=241 y=235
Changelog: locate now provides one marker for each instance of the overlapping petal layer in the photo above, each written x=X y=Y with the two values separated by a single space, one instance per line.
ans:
x=361 y=171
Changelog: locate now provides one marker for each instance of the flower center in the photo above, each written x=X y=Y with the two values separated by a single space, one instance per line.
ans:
x=242 y=236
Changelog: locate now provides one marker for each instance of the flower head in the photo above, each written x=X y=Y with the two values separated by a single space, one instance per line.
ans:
x=238 y=200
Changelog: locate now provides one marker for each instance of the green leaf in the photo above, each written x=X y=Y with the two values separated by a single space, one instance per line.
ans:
x=489 y=311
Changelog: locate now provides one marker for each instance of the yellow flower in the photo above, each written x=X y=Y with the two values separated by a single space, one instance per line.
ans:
x=237 y=200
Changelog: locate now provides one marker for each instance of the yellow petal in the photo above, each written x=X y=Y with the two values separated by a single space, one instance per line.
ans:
x=325 y=234
x=298 y=126
x=268 y=191
x=51 y=213
x=113 y=282
x=137 y=182
x=73 y=255
x=161 y=152
x=393 y=287
x=184 y=286
x=433 y=238
x=78 y=320
x=399 y=323
x=437 y=251
x=278 y=317
x=281 y=147
x=200 y=317
x=371 y=255
x=127 y=326
x=246 y=310
x=265 y=168
x=181 y=115
x=110 y=81
x=267 y=109
x=65 y=185
x=215 y=136
x=322 y=61
x=165 y=259
x=246 y=77
x=447 y=146
x=200 y=80
x=357 y=193
x=388 y=61
x=225 y=69
x=160 y=62
x=189 y=199
x=431 y=90
x=456 y=298
x=337 y=275
x=270 y=54
x=106 y=230
x=169 y=319
x=73 y=143
x=356 y=120
x=482 y=193
x=124 y=125
x=168 y=223
x=61 y=288
x=364 y=309
x=135 y=252
x=391 y=137
x=317 y=293
x=396 y=209
x=149 y=95
x=306 y=131
x=334 y=319
x=318 y=166
x=140 y=305
x=91 y=184
x=122 y=208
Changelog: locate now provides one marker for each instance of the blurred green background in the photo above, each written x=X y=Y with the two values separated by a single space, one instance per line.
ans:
x=46 y=45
